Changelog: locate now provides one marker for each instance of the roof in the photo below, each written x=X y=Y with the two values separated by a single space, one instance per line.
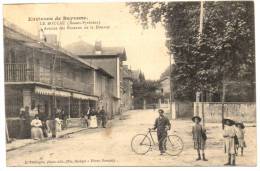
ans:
x=105 y=72
x=164 y=78
x=82 y=48
x=127 y=73
x=12 y=31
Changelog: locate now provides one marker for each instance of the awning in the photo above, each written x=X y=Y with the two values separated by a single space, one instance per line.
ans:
x=84 y=97
x=49 y=92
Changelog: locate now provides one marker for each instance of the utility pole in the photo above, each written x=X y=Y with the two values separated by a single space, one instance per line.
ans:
x=200 y=33
x=222 y=102
x=170 y=78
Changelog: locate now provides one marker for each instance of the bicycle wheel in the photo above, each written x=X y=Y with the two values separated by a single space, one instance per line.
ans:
x=174 y=145
x=140 y=144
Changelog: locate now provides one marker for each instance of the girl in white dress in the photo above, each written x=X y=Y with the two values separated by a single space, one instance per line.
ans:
x=93 y=119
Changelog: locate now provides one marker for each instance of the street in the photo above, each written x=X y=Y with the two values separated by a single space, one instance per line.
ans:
x=111 y=146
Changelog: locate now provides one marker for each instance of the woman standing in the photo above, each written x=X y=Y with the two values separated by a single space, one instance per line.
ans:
x=93 y=118
x=229 y=135
x=36 y=130
x=199 y=137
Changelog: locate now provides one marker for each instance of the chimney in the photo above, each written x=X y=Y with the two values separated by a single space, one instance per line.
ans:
x=42 y=35
x=98 y=47
x=51 y=39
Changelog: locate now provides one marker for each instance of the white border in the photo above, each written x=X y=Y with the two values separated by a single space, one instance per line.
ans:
x=2 y=109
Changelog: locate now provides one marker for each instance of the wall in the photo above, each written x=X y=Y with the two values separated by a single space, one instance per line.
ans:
x=180 y=109
x=109 y=64
x=184 y=109
x=165 y=85
x=82 y=77
x=240 y=111
x=13 y=101
x=103 y=89
x=126 y=95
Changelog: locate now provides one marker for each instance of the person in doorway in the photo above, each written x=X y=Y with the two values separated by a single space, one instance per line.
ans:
x=229 y=135
x=27 y=132
x=199 y=137
x=52 y=123
x=22 y=122
x=43 y=117
x=64 y=118
x=36 y=130
x=87 y=117
x=34 y=111
x=98 y=117
x=162 y=124
x=240 y=133
x=103 y=115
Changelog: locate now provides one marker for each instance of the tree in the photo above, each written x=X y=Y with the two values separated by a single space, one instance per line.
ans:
x=141 y=77
x=145 y=90
x=225 y=50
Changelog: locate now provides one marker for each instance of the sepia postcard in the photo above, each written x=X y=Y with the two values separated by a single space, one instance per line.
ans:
x=155 y=83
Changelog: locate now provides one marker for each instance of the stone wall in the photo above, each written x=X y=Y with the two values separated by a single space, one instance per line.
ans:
x=239 y=111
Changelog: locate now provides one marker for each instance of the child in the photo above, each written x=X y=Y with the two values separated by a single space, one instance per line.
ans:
x=229 y=135
x=199 y=137
x=240 y=132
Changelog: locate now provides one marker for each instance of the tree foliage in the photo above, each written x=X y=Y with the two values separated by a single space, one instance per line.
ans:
x=223 y=52
x=146 y=90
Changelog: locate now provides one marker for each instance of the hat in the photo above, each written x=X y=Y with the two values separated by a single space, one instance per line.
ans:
x=22 y=109
x=232 y=122
x=241 y=124
x=194 y=117
x=160 y=110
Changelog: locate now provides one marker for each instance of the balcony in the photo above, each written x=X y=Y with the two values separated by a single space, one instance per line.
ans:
x=19 y=72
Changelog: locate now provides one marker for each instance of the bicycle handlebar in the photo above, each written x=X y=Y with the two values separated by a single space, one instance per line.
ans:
x=153 y=130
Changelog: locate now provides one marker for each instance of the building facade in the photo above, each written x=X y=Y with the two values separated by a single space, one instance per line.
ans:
x=110 y=59
x=43 y=76
x=127 y=94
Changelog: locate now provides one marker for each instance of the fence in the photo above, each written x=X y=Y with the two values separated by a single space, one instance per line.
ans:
x=239 y=111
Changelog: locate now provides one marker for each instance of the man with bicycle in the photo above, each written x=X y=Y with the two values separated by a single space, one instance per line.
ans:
x=162 y=124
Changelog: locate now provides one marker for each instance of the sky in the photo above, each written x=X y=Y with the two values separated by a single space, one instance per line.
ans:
x=145 y=49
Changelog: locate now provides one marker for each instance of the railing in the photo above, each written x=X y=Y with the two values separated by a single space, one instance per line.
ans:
x=20 y=72
x=16 y=72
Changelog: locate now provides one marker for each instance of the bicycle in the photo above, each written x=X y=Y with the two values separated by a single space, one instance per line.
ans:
x=142 y=143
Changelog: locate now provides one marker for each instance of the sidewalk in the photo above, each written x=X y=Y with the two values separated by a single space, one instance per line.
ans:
x=18 y=143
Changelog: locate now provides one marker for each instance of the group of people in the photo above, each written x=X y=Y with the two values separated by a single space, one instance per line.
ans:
x=93 y=118
x=41 y=125
x=233 y=135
